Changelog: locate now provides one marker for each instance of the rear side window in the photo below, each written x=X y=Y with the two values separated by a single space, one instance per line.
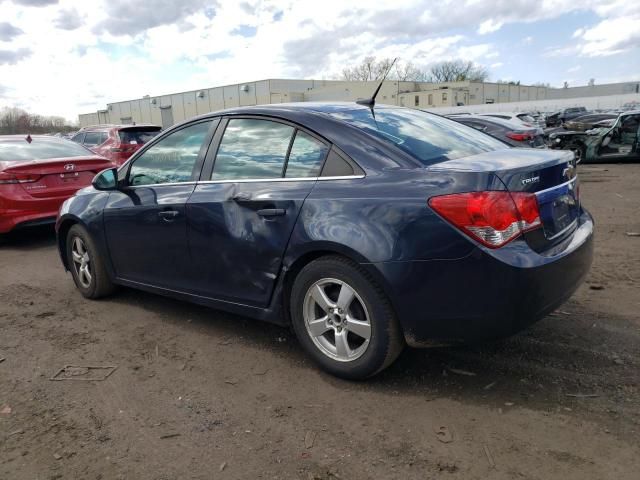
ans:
x=137 y=137
x=428 y=138
x=336 y=166
x=172 y=159
x=93 y=138
x=306 y=157
x=252 y=149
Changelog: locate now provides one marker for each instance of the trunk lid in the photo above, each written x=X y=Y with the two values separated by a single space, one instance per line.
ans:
x=549 y=174
x=55 y=177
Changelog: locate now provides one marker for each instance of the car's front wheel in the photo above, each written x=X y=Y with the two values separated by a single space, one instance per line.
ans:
x=343 y=319
x=87 y=268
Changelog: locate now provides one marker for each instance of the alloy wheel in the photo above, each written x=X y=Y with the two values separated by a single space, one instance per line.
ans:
x=337 y=320
x=81 y=262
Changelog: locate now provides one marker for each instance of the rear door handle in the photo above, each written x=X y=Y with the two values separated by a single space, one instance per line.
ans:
x=168 y=215
x=271 y=212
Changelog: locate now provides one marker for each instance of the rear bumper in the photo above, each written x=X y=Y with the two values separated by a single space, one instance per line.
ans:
x=13 y=219
x=487 y=294
x=19 y=209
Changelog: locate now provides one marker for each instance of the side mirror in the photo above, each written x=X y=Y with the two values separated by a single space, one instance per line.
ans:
x=106 y=180
x=606 y=140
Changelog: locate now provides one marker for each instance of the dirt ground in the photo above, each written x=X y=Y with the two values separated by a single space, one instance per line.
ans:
x=199 y=394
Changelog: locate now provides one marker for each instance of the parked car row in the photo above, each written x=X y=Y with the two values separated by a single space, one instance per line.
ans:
x=516 y=133
x=605 y=136
x=610 y=140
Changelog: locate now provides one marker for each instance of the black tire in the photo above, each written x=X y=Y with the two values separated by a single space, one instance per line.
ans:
x=386 y=340
x=100 y=284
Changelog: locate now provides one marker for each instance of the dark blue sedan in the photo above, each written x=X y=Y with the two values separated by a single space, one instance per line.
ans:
x=363 y=229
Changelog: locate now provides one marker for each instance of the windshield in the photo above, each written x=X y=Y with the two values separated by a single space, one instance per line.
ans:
x=427 y=137
x=18 y=149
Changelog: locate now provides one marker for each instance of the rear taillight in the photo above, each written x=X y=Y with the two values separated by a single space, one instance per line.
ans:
x=519 y=136
x=6 y=178
x=492 y=218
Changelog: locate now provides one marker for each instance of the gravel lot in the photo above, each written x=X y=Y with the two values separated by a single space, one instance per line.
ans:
x=201 y=394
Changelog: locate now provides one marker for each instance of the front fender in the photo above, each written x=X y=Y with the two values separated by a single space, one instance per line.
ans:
x=86 y=210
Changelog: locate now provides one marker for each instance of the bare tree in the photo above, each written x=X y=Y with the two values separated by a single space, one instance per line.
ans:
x=457 y=71
x=408 y=72
x=371 y=69
x=18 y=121
x=509 y=82
x=451 y=71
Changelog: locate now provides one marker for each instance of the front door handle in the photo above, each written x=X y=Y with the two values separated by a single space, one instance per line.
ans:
x=168 y=215
x=271 y=212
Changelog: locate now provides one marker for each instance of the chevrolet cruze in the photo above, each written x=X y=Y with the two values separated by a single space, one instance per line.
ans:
x=363 y=228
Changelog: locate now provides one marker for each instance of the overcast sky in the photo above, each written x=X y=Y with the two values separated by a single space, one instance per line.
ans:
x=67 y=57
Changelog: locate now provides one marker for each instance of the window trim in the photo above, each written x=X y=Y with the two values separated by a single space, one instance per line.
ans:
x=197 y=167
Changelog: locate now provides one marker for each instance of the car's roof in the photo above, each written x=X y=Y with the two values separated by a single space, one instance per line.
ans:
x=300 y=111
x=317 y=107
x=100 y=128
x=630 y=112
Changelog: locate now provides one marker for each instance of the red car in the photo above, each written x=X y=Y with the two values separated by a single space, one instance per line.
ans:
x=116 y=142
x=37 y=174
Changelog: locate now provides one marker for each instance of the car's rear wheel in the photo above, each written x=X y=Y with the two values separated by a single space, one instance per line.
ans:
x=87 y=268
x=343 y=319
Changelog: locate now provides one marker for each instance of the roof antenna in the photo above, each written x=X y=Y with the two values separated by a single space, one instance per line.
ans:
x=371 y=102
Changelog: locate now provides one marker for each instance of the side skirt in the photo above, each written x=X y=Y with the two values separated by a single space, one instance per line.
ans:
x=273 y=314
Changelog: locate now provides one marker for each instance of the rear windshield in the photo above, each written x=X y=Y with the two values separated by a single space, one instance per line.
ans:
x=16 y=150
x=138 y=137
x=427 y=137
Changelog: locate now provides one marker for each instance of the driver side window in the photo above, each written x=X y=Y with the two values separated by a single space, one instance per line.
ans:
x=172 y=159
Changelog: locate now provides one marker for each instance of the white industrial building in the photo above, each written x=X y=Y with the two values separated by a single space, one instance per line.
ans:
x=168 y=109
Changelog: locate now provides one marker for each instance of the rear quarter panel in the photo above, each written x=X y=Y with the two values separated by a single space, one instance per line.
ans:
x=384 y=216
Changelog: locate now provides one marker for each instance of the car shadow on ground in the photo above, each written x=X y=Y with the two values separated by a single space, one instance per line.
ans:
x=554 y=365
x=29 y=238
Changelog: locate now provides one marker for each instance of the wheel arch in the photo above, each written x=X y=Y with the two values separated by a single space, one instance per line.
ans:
x=296 y=262
x=62 y=230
